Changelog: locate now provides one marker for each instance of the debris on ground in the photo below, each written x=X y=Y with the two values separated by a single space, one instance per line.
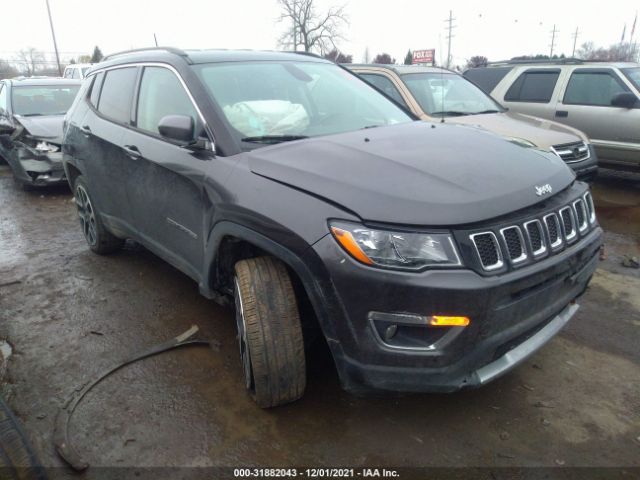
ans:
x=631 y=262
x=10 y=283
x=541 y=404
x=545 y=422
x=504 y=436
x=61 y=439
x=603 y=253
x=506 y=455
x=41 y=416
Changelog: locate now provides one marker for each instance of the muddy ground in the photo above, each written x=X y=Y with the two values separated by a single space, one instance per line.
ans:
x=66 y=314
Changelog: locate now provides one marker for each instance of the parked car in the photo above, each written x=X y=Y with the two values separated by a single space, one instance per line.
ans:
x=437 y=94
x=432 y=257
x=31 y=117
x=602 y=99
x=76 y=71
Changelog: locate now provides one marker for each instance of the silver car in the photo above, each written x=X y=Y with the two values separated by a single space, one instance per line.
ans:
x=600 y=99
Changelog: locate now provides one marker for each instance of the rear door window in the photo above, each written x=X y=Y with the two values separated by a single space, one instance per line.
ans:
x=76 y=74
x=595 y=88
x=487 y=78
x=534 y=86
x=95 y=89
x=385 y=85
x=117 y=92
x=161 y=94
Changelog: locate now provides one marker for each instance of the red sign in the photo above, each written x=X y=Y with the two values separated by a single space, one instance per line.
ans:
x=424 y=56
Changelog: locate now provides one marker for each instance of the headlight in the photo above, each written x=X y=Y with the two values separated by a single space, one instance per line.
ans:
x=44 y=147
x=384 y=248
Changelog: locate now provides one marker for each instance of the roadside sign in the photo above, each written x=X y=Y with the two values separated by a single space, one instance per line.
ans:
x=424 y=56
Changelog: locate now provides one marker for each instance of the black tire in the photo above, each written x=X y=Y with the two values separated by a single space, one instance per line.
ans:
x=99 y=239
x=269 y=332
x=17 y=459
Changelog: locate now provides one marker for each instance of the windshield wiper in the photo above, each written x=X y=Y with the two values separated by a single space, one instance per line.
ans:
x=273 y=138
x=450 y=113
x=486 y=111
x=31 y=115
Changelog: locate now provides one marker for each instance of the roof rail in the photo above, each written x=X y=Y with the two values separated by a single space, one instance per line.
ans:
x=552 y=61
x=308 y=54
x=175 y=51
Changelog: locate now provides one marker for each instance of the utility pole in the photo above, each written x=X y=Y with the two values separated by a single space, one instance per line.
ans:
x=53 y=34
x=295 y=29
x=553 y=40
x=449 y=36
x=575 y=40
x=155 y=39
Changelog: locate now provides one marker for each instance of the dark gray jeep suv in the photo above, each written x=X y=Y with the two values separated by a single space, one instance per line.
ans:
x=432 y=257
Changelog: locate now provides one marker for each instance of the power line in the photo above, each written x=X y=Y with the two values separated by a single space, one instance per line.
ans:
x=553 y=39
x=450 y=35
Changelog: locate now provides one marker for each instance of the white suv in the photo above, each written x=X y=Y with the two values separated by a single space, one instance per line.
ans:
x=600 y=99
x=77 y=70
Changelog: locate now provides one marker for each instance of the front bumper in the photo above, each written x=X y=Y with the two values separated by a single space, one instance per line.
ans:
x=586 y=170
x=512 y=315
x=40 y=170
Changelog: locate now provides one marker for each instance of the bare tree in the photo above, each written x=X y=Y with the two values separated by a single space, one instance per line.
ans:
x=7 y=70
x=384 y=59
x=30 y=60
x=338 y=57
x=308 y=29
x=477 y=61
x=366 y=58
x=619 y=52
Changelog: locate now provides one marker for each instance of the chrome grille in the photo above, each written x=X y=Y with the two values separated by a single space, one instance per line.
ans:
x=553 y=229
x=536 y=237
x=488 y=250
x=521 y=243
x=591 y=210
x=515 y=244
x=568 y=224
x=581 y=215
x=572 y=152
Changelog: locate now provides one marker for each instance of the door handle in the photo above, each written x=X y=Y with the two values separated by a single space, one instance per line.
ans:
x=132 y=152
x=86 y=130
x=562 y=113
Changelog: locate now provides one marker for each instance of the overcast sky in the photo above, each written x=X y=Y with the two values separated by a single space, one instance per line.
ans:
x=496 y=29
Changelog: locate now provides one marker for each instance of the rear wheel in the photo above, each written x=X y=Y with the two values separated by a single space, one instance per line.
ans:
x=269 y=332
x=99 y=239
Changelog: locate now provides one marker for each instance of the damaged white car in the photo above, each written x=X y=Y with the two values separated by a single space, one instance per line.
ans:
x=32 y=114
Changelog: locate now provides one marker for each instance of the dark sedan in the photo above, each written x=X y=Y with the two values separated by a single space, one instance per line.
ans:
x=32 y=114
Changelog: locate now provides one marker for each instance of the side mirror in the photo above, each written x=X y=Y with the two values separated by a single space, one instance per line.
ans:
x=624 y=100
x=177 y=127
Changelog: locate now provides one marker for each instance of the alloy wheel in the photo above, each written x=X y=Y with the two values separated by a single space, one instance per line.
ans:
x=87 y=215
x=242 y=339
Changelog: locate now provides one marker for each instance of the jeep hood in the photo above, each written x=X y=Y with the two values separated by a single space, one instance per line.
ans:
x=416 y=173
x=543 y=133
x=47 y=128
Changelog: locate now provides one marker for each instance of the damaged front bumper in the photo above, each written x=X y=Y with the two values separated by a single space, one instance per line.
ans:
x=39 y=169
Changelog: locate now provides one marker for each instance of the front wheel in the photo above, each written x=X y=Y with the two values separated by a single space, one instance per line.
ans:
x=99 y=239
x=269 y=332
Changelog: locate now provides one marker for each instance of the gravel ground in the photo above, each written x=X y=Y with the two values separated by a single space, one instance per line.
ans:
x=66 y=314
